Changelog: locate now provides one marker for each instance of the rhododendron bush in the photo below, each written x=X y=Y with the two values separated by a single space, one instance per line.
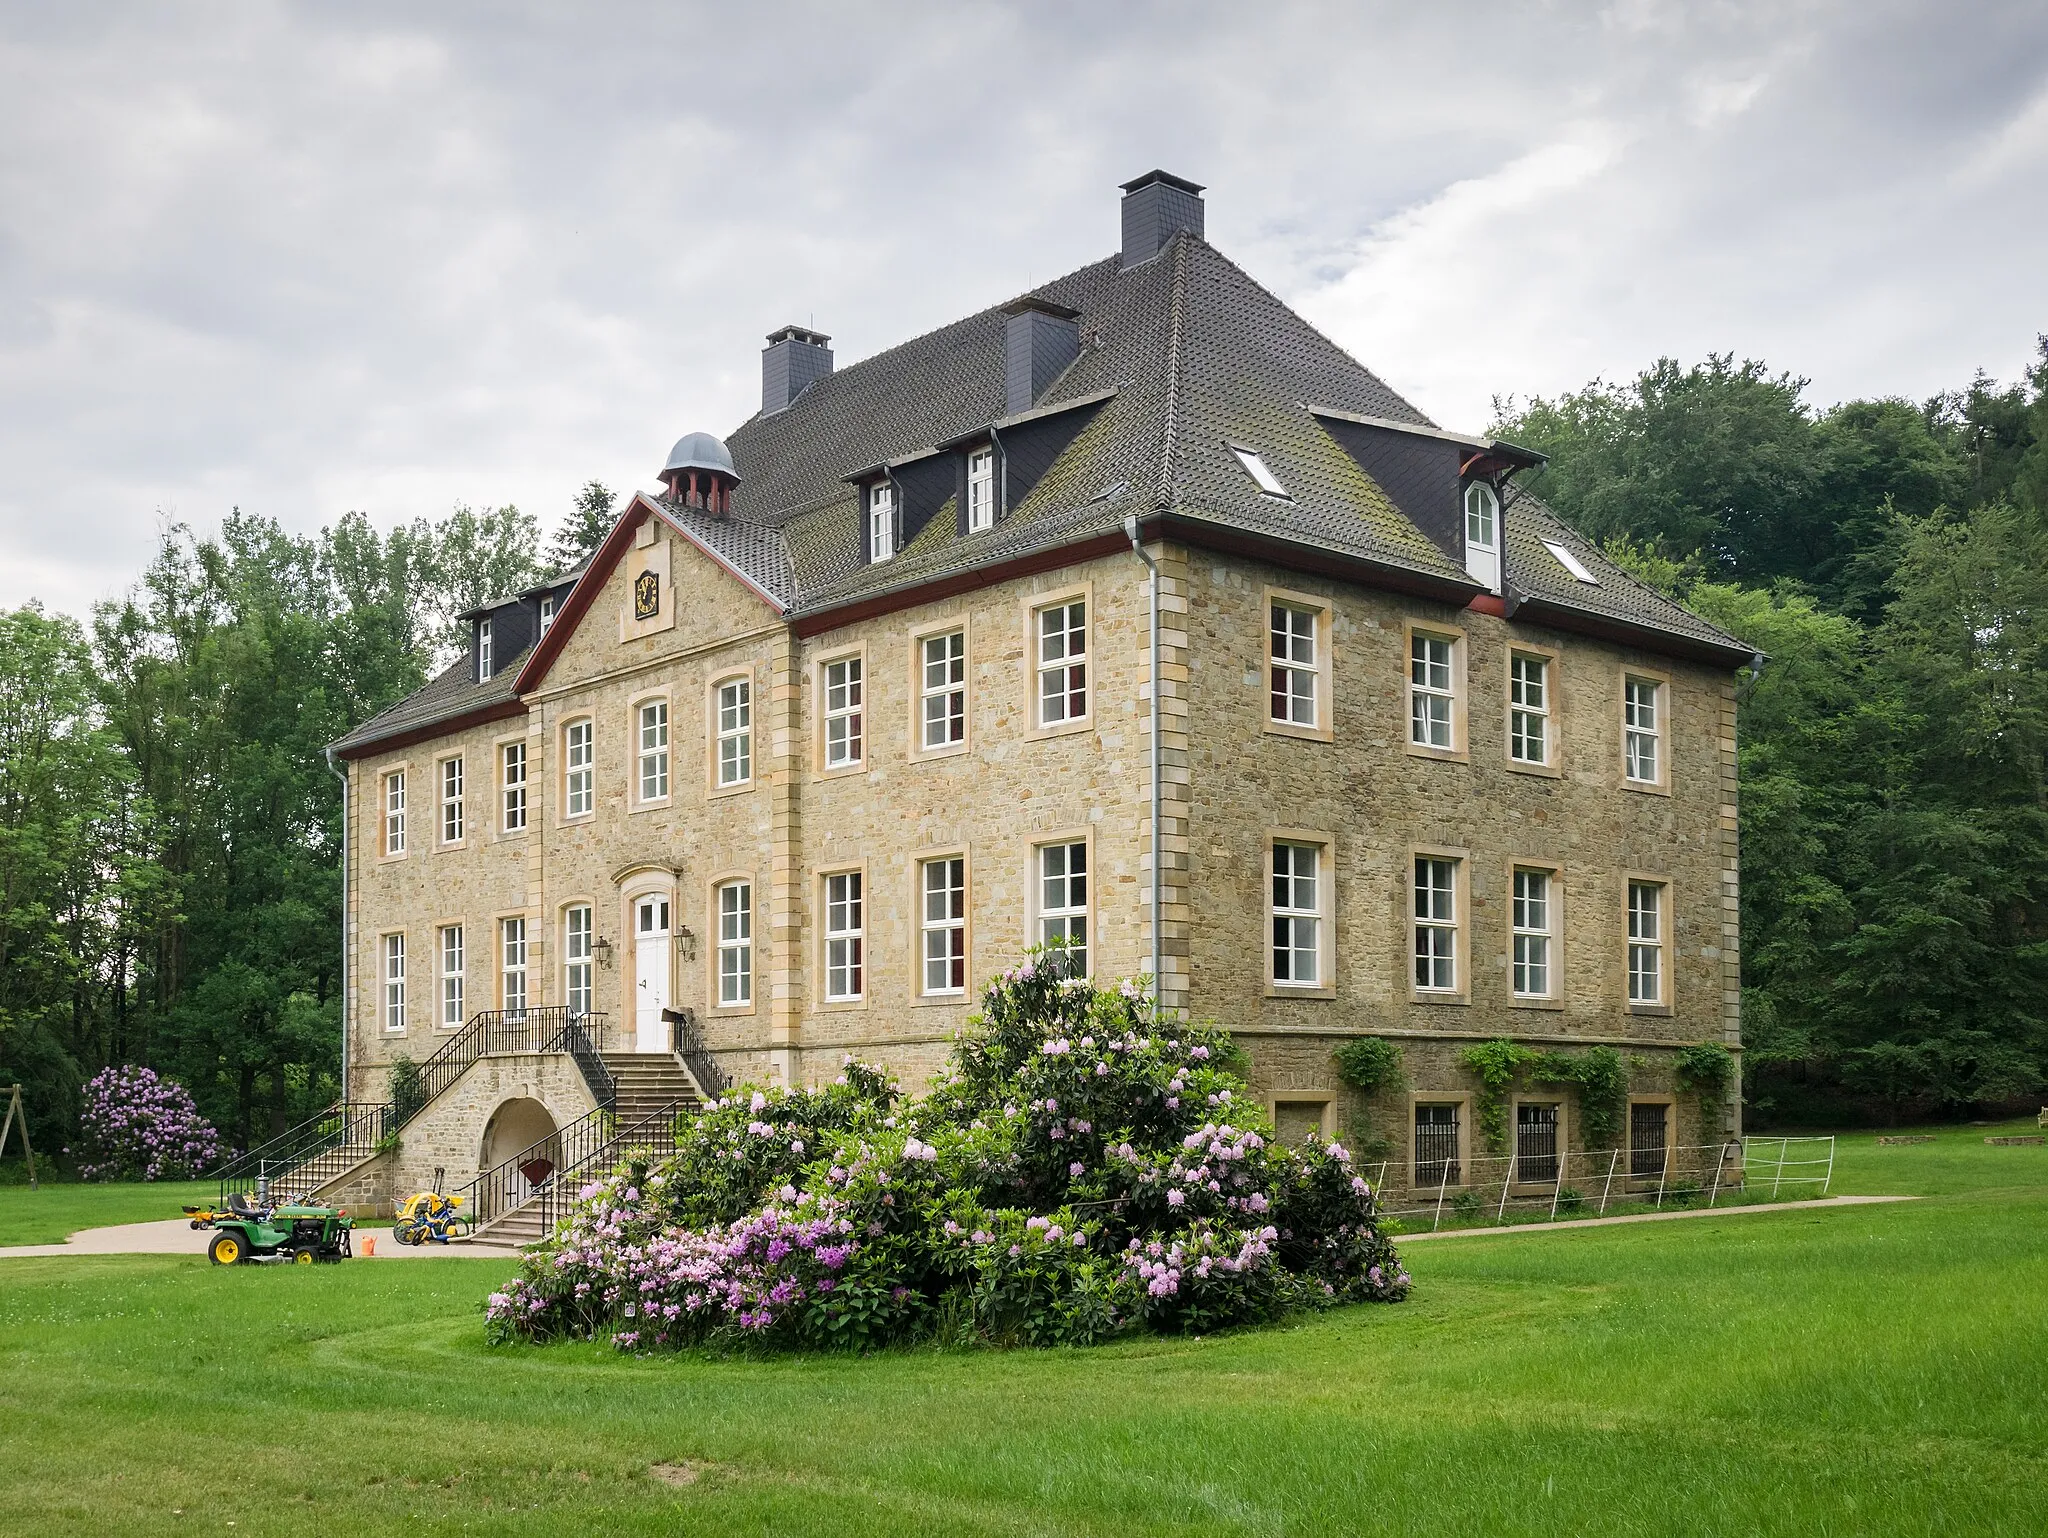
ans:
x=136 y=1125
x=1078 y=1171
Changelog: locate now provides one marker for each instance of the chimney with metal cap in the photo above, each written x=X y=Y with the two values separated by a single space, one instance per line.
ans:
x=794 y=359
x=1040 y=339
x=1158 y=206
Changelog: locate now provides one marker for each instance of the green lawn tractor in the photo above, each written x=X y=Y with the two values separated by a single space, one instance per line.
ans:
x=251 y=1230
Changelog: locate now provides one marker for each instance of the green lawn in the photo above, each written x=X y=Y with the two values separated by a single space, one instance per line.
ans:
x=1879 y=1370
x=58 y=1209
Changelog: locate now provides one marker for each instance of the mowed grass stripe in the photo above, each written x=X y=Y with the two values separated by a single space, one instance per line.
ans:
x=1879 y=1369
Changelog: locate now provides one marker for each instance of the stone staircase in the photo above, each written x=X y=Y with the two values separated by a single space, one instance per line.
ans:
x=646 y=1083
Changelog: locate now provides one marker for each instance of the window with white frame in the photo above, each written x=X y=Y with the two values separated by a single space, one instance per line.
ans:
x=844 y=682
x=1294 y=665
x=451 y=975
x=1642 y=732
x=654 y=751
x=512 y=781
x=735 y=944
x=578 y=938
x=981 y=490
x=1482 y=534
x=547 y=613
x=394 y=812
x=512 y=965
x=735 y=708
x=1062 y=663
x=1063 y=902
x=1645 y=942
x=942 y=689
x=579 y=769
x=1436 y=924
x=394 y=982
x=1430 y=685
x=1528 y=708
x=451 y=801
x=845 y=937
x=943 y=885
x=484 y=651
x=881 y=521
x=1297 y=915
x=1530 y=922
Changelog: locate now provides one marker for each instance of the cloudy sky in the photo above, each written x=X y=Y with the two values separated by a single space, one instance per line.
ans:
x=307 y=258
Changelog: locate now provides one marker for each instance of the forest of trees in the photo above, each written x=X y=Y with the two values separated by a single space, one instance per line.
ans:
x=1892 y=561
x=170 y=839
x=170 y=834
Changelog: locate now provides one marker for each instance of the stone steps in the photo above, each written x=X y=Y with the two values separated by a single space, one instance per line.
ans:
x=645 y=1082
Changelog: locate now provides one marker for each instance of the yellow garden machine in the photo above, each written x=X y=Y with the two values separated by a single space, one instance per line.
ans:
x=428 y=1217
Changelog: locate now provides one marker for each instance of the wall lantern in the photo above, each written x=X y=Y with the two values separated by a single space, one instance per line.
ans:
x=604 y=950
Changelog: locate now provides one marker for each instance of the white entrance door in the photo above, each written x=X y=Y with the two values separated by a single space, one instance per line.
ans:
x=650 y=950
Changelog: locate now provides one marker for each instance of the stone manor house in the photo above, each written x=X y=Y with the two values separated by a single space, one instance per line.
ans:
x=860 y=704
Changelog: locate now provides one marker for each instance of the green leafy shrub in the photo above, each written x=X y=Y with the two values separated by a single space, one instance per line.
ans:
x=1707 y=1070
x=1601 y=1077
x=1080 y=1170
x=408 y=1091
x=1370 y=1063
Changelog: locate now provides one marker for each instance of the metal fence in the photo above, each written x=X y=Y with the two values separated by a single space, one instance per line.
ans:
x=1538 y=1179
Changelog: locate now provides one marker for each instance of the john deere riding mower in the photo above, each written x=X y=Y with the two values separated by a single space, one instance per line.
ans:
x=254 y=1230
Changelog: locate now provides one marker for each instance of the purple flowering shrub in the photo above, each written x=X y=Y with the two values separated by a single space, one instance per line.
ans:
x=135 y=1125
x=1079 y=1171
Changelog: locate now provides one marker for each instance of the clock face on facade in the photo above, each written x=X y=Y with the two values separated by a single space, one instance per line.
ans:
x=646 y=595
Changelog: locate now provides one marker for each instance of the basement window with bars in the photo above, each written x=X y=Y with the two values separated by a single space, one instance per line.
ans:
x=1649 y=1138
x=1437 y=1154
x=1536 y=1151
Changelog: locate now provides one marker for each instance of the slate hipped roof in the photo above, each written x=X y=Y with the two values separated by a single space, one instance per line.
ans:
x=1183 y=358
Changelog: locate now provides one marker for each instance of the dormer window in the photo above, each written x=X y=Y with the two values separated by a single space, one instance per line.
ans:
x=1255 y=467
x=981 y=490
x=881 y=522
x=484 y=660
x=1482 y=534
x=547 y=612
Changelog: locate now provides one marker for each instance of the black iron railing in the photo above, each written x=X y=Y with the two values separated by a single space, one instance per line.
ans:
x=689 y=1046
x=581 y=1036
x=359 y=1126
x=545 y=1177
x=347 y=1127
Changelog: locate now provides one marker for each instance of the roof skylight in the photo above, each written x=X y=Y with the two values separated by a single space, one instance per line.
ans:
x=1254 y=466
x=1570 y=561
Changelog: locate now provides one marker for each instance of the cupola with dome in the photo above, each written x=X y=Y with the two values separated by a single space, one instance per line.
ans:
x=699 y=473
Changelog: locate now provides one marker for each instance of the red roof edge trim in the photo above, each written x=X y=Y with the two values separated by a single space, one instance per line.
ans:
x=584 y=593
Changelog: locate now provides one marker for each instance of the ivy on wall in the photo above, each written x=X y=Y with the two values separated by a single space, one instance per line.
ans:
x=1599 y=1074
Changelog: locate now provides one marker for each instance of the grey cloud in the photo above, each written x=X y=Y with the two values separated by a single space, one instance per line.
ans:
x=304 y=259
